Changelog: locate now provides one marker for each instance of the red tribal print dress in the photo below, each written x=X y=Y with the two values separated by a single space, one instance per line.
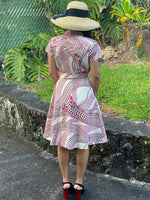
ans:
x=74 y=119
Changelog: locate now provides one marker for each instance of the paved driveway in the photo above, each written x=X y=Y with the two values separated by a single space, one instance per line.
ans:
x=28 y=173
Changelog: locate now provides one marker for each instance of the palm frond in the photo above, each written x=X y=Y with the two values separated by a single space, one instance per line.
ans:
x=39 y=40
x=94 y=7
x=110 y=27
x=15 y=64
x=37 y=69
x=59 y=6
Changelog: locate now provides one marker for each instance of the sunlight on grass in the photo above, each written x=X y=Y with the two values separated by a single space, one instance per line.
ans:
x=46 y=89
x=126 y=89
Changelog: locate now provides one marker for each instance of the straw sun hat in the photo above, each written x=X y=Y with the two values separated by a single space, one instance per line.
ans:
x=75 y=18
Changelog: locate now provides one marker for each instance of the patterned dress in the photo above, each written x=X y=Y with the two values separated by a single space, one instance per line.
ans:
x=74 y=119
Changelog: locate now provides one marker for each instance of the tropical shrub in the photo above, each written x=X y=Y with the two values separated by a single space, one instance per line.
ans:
x=15 y=63
x=140 y=16
x=36 y=44
x=122 y=10
x=46 y=4
x=127 y=13
x=37 y=70
x=141 y=53
x=28 y=61
x=53 y=7
x=110 y=27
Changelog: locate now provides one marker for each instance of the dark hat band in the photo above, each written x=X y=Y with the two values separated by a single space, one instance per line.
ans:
x=74 y=13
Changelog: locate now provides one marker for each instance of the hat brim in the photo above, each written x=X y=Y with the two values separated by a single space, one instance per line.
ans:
x=76 y=23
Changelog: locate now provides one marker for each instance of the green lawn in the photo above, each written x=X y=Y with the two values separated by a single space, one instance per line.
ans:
x=43 y=88
x=124 y=89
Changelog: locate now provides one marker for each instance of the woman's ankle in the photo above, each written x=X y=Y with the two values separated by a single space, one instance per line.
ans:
x=79 y=180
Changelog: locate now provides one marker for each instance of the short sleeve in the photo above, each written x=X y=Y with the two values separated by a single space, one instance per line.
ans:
x=95 y=52
x=49 y=48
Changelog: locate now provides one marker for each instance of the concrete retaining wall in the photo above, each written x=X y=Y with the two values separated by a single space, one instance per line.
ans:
x=126 y=155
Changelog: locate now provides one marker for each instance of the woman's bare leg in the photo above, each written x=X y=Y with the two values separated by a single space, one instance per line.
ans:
x=82 y=160
x=63 y=157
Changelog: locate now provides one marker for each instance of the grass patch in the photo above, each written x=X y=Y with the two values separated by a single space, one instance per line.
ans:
x=124 y=91
x=42 y=88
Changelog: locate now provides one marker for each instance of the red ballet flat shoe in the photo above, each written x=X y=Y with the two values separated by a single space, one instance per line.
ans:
x=79 y=192
x=68 y=190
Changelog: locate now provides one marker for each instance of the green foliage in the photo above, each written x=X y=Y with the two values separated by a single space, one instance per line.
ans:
x=59 y=6
x=45 y=89
x=58 y=31
x=110 y=27
x=39 y=41
x=29 y=60
x=46 y=4
x=16 y=62
x=38 y=69
x=43 y=2
x=141 y=52
x=94 y=6
x=110 y=3
x=126 y=13
x=125 y=89
x=54 y=7
x=122 y=10
x=140 y=15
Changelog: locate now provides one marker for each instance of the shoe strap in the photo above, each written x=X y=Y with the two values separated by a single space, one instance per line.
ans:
x=80 y=185
x=67 y=183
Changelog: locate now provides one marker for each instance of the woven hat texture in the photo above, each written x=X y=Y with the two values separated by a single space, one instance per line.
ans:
x=77 y=19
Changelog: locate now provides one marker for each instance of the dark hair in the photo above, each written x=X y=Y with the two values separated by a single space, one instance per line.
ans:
x=84 y=33
x=87 y=34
